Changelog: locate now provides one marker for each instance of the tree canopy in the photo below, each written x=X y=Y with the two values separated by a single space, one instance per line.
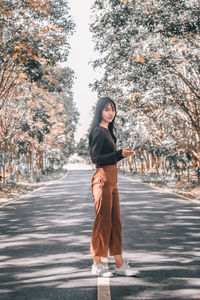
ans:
x=37 y=114
x=149 y=54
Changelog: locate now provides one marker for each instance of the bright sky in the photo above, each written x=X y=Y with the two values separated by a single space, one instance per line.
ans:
x=80 y=54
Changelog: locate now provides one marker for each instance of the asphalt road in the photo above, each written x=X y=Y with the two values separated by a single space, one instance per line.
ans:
x=45 y=237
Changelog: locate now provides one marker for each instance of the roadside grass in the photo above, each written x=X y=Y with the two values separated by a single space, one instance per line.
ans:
x=177 y=185
x=12 y=190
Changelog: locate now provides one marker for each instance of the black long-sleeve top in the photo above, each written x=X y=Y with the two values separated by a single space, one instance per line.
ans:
x=103 y=148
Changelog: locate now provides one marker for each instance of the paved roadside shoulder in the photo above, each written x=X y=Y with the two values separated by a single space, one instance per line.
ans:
x=31 y=192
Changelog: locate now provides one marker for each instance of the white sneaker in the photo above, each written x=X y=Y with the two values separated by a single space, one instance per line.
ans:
x=101 y=270
x=126 y=270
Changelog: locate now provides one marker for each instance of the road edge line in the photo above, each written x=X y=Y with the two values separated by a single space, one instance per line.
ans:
x=40 y=188
x=162 y=189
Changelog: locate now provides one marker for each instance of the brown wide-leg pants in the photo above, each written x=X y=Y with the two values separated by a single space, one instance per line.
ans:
x=107 y=229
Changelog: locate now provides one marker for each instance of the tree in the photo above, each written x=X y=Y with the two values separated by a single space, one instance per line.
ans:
x=33 y=37
x=38 y=116
x=150 y=56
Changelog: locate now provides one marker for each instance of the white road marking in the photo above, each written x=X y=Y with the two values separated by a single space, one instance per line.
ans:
x=103 y=285
x=164 y=190
x=34 y=191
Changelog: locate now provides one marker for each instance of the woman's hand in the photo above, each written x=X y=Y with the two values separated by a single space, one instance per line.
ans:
x=127 y=151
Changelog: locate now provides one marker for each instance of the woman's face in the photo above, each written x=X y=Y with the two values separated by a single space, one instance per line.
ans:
x=108 y=113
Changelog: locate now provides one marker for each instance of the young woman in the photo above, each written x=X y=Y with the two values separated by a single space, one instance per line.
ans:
x=107 y=232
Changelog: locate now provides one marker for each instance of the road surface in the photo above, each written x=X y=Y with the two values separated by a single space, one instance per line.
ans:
x=45 y=237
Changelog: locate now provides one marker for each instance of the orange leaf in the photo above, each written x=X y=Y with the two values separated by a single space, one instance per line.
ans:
x=142 y=59
x=134 y=59
x=175 y=39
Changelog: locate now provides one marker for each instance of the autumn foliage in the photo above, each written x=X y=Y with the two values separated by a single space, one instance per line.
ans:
x=149 y=53
x=37 y=114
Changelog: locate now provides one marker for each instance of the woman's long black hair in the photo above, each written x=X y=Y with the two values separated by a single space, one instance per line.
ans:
x=98 y=117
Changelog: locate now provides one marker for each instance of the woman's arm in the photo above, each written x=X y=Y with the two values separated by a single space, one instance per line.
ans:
x=119 y=155
x=96 y=150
